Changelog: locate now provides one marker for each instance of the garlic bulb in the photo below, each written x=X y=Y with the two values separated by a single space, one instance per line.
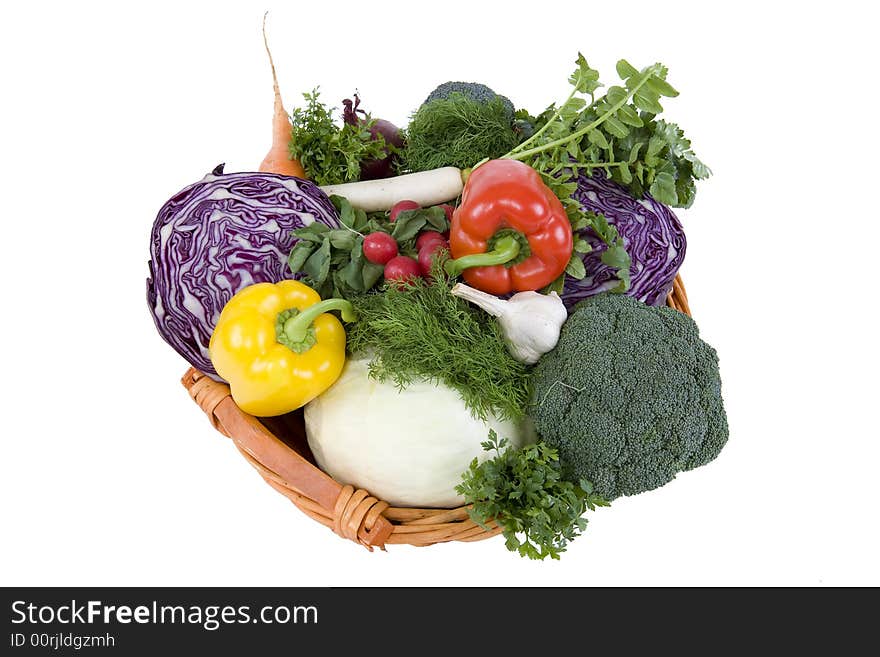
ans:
x=530 y=321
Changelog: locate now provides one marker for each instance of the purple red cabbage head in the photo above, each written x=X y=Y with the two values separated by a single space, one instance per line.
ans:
x=216 y=237
x=652 y=235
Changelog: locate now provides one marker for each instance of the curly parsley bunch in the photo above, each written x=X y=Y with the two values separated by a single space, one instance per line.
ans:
x=329 y=153
x=522 y=490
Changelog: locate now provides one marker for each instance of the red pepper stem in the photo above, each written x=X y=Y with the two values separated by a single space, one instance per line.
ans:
x=506 y=249
x=297 y=327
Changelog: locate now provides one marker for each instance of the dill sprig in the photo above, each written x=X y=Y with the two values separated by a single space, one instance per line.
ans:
x=457 y=131
x=419 y=331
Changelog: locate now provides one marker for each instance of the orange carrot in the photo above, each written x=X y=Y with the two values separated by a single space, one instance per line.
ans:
x=278 y=158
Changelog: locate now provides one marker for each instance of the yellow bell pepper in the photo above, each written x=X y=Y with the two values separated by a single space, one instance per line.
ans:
x=278 y=347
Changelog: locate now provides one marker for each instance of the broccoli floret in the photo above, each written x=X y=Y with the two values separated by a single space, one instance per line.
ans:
x=473 y=90
x=630 y=396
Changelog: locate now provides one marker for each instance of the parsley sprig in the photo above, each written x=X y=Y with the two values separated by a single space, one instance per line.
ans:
x=522 y=490
x=330 y=153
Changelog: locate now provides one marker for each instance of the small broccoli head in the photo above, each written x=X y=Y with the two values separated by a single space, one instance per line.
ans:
x=473 y=90
x=630 y=396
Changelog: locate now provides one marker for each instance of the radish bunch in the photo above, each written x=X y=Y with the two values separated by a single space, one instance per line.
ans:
x=382 y=249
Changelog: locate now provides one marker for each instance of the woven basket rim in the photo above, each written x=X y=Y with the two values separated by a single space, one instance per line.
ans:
x=351 y=513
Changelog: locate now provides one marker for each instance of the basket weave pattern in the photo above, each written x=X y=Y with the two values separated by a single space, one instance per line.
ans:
x=277 y=448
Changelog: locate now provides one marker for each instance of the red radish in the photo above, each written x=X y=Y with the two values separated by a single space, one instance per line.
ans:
x=402 y=268
x=379 y=247
x=400 y=206
x=428 y=253
x=428 y=236
x=383 y=167
x=448 y=209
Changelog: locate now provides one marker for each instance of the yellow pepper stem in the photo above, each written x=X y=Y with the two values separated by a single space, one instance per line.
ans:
x=293 y=327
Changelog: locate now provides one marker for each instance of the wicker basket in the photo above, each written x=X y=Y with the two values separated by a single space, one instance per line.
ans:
x=277 y=448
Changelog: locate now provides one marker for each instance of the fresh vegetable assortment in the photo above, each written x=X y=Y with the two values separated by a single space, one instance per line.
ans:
x=468 y=309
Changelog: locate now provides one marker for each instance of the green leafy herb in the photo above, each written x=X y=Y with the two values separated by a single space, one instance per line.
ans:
x=523 y=492
x=418 y=330
x=458 y=131
x=617 y=133
x=410 y=223
x=332 y=260
x=331 y=154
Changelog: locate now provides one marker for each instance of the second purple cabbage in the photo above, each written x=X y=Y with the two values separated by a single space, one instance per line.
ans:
x=652 y=235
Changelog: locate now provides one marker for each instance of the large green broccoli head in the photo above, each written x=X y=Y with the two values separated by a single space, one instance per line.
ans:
x=630 y=396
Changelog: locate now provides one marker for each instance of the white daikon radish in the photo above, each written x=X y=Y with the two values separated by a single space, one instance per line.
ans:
x=426 y=188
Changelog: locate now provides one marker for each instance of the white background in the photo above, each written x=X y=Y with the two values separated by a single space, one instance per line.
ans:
x=110 y=475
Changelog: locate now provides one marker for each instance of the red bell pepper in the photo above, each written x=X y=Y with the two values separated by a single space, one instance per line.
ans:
x=510 y=233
